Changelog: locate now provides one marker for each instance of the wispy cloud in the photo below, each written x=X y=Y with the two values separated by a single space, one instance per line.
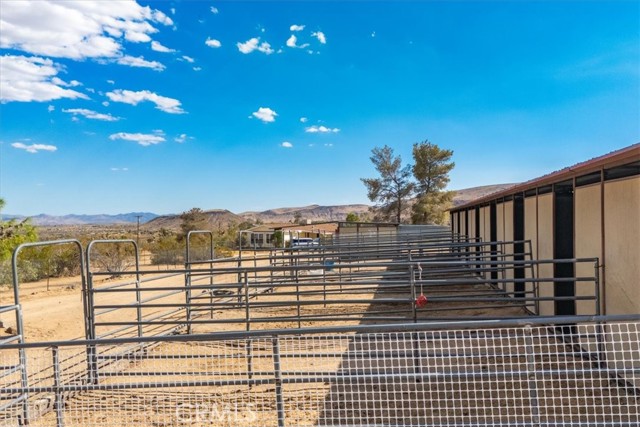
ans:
x=51 y=108
x=160 y=48
x=144 y=139
x=303 y=120
x=163 y=103
x=213 y=43
x=321 y=129
x=617 y=61
x=286 y=144
x=182 y=138
x=34 y=148
x=253 y=45
x=295 y=27
x=188 y=59
x=320 y=36
x=90 y=114
x=26 y=79
x=58 y=81
x=140 y=62
x=266 y=114
x=119 y=169
x=293 y=40
x=214 y=10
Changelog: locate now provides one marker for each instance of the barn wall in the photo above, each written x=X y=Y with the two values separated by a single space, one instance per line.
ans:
x=622 y=234
x=588 y=239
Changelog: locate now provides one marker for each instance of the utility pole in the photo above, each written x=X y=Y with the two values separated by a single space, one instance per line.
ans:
x=138 y=230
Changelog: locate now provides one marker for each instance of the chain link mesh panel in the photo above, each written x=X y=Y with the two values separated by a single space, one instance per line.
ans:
x=573 y=374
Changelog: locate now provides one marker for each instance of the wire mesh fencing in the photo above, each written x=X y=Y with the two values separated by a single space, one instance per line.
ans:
x=497 y=373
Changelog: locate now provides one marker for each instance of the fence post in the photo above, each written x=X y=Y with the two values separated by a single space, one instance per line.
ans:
x=247 y=314
x=597 y=285
x=412 y=284
x=278 y=374
x=187 y=295
x=58 y=403
x=92 y=361
x=531 y=374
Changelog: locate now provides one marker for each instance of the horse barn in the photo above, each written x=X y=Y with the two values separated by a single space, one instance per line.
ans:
x=526 y=315
x=589 y=210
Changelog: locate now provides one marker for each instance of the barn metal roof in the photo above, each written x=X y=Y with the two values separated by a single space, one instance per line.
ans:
x=621 y=156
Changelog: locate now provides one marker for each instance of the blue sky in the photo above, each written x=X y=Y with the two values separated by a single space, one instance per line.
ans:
x=111 y=107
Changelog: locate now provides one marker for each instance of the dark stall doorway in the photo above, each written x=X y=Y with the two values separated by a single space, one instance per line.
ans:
x=563 y=248
x=518 y=248
x=493 y=223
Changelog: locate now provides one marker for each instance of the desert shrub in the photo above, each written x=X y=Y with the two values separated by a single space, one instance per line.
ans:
x=113 y=257
x=166 y=250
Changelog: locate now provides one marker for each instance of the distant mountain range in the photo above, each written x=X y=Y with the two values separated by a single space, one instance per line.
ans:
x=222 y=217
x=73 y=219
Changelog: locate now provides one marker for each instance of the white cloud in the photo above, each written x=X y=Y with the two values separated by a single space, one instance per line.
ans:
x=214 y=10
x=189 y=59
x=34 y=148
x=77 y=29
x=137 y=37
x=328 y=145
x=286 y=144
x=89 y=114
x=213 y=43
x=295 y=27
x=105 y=103
x=291 y=42
x=111 y=82
x=267 y=115
x=321 y=129
x=173 y=10
x=320 y=36
x=144 y=139
x=140 y=62
x=197 y=68
x=120 y=169
x=51 y=108
x=373 y=34
x=254 y=44
x=168 y=105
x=26 y=79
x=160 y=48
x=182 y=138
x=303 y=120
x=59 y=82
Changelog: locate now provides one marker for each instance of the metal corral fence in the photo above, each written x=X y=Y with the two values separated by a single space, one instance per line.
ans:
x=370 y=279
x=130 y=371
x=577 y=371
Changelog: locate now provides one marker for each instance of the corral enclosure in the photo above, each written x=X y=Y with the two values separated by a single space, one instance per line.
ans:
x=332 y=335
